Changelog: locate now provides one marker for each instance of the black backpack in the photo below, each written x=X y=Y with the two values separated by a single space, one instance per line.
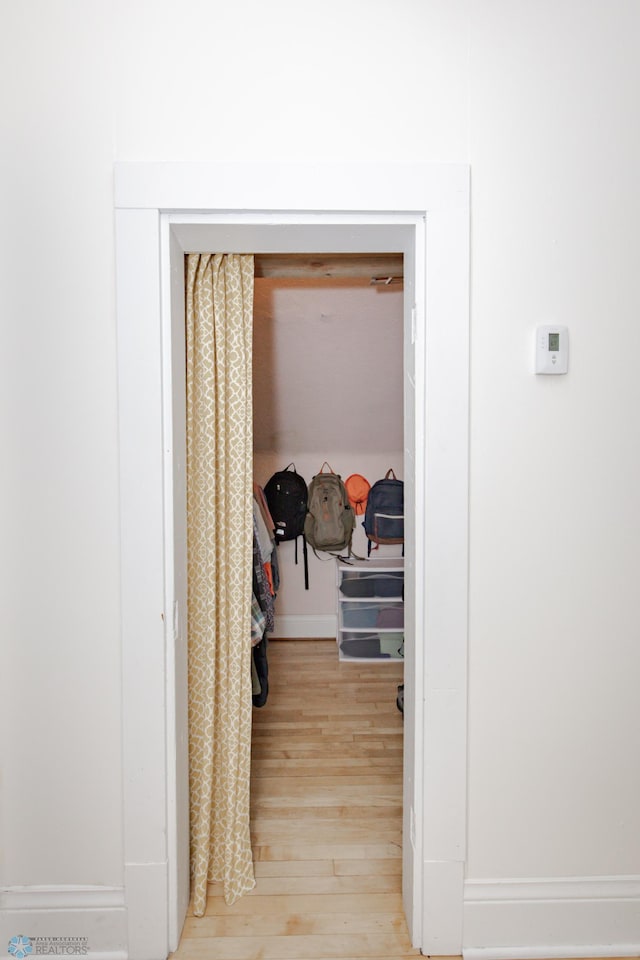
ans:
x=330 y=517
x=384 y=516
x=286 y=495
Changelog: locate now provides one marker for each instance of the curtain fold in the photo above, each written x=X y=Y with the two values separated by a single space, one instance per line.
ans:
x=219 y=322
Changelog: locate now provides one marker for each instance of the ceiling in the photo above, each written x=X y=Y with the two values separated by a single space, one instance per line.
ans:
x=327 y=360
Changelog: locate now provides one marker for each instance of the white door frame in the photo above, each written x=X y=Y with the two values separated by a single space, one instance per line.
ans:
x=157 y=208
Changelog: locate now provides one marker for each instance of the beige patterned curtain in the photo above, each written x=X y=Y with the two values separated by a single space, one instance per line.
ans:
x=219 y=304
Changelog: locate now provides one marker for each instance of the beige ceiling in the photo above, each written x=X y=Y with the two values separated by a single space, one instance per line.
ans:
x=327 y=365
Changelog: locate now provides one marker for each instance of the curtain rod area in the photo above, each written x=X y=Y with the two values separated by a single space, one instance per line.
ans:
x=328 y=265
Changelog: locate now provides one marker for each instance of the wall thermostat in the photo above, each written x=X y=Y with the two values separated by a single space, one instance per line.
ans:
x=552 y=349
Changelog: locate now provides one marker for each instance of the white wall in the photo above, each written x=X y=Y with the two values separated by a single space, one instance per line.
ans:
x=542 y=100
x=555 y=461
x=60 y=702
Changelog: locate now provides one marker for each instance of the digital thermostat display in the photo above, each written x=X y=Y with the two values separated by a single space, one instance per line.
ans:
x=552 y=349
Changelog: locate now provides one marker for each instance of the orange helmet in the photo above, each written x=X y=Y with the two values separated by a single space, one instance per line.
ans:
x=358 y=490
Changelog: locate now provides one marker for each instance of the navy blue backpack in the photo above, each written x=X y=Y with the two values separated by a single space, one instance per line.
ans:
x=384 y=515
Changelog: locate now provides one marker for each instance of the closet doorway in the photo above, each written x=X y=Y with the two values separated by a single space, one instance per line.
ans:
x=150 y=251
x=396 y=242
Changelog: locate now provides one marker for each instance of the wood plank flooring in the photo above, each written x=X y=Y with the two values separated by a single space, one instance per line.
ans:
x=326 y=819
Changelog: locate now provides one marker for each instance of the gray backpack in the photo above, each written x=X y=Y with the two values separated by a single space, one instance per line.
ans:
x=330 y=518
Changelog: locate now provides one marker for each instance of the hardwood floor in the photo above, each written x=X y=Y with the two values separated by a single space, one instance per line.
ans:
x=326 y=818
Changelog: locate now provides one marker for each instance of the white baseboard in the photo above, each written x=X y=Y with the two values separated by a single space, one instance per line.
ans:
x=291 y=627
x=552 y=953
x=95 y=918
x=547 y=918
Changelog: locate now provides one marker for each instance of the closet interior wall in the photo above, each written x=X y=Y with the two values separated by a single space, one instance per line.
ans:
x=328 y=385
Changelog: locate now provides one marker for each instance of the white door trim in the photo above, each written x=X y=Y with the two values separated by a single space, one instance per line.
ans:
x=150 y=199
